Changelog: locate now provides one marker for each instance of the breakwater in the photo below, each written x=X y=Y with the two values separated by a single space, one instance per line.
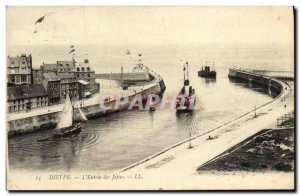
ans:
x=250 y=76
x=44 y=118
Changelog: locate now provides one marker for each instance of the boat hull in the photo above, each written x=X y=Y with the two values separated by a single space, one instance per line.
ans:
x=211 y=74
x=188 y=106
x=74 y=129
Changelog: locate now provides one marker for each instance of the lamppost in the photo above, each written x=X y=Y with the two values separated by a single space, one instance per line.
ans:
x=190 y=142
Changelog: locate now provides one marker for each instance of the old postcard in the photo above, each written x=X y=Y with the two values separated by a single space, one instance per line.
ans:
x=150 y=98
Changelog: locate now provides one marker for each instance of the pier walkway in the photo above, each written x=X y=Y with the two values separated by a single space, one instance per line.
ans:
x=175 y=167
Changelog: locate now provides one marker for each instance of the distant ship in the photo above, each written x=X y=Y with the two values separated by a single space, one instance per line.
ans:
x=186 y=99
x=207 y=72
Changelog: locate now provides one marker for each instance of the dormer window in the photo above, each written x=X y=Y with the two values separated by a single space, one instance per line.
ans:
x=88 y=69
x=82 y=68
x=23 y=65
x=78 y=69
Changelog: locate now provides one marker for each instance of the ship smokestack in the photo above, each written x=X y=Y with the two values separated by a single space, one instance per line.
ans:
x=122 y=73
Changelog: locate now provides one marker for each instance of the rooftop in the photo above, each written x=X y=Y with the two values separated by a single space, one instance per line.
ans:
x=51 y=76
x=25 y=91
x=18 y=60
x=49 y=66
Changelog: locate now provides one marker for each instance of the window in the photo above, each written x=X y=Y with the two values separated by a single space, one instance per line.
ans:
x=67 y=64
x=88 y=75
x=61 y=64
x=88 y=69
x=82 y=69
x=23 y=65
x=12 y=79
x=23 y=79
x=83 y=75
x=78 y=69
x=78 y=75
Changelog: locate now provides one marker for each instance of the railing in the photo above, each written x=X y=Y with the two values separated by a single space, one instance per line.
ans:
x=286 y=120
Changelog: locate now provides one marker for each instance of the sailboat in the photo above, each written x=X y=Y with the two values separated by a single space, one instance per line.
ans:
x=66 y=125
x=186 y=99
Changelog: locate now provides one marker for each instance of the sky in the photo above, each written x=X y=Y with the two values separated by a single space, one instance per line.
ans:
x=149 y=25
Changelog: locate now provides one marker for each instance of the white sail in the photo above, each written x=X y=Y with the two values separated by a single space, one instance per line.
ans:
x=82 y=116
x=66 y=117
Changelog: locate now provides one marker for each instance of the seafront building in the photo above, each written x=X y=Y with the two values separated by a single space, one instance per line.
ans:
x=53 y=81
x=19 y=70
x=87 y=79
x=26 y=97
